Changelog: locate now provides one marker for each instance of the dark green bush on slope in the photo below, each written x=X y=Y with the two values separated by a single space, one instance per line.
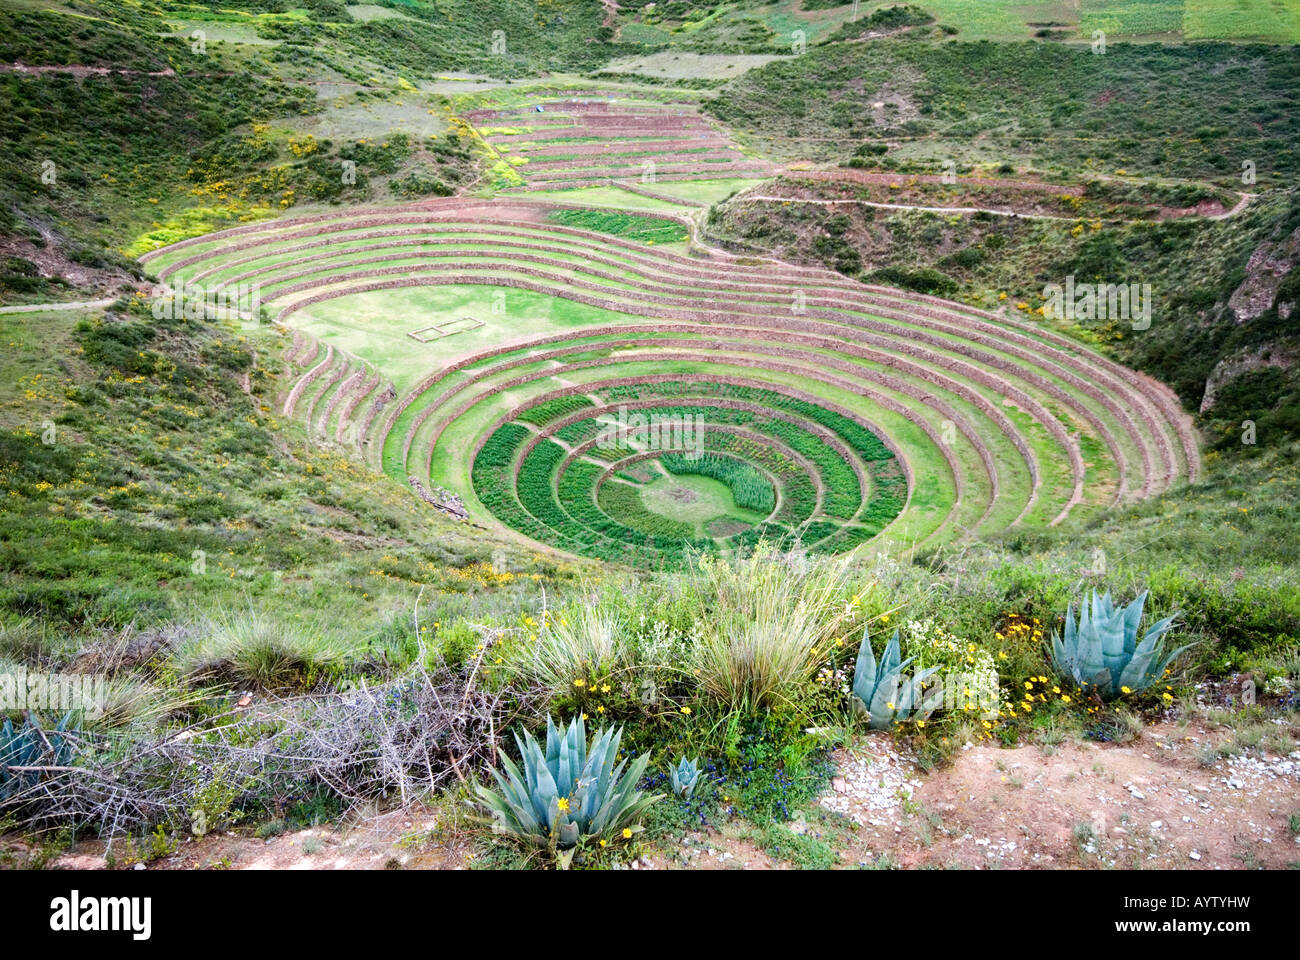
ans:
x=118 y=145
x=1191 y=111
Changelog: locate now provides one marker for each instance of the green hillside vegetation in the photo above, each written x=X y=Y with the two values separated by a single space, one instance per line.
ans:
x=116 y=498
x=498 y=38
x=519 y=435
x=1192 y=111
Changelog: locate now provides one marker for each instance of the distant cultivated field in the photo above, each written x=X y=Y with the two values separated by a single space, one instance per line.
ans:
x=593 y=138
x=683 y=65
x=344 y=117
x=1273 y=21
x=1277 y=21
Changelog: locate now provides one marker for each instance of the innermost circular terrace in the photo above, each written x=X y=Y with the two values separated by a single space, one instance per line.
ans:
x=481 y=347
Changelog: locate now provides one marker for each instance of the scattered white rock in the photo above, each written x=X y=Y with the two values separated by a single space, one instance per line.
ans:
x=876 y=780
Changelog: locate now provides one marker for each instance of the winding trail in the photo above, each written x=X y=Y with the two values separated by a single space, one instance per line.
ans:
x=909 y=206
x=1243 y=201
x=73 y=305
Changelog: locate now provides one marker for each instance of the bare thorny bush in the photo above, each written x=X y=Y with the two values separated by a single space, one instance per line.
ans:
x=393 y=741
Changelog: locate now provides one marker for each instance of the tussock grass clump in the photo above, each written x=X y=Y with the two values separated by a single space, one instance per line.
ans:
x=583 y=641
x=27 y=641
x=140 y=704
x=771 y=620
x=259 y=651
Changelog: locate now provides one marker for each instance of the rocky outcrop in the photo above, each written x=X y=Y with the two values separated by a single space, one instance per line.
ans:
x=1230 y=368
x=439 y=499
x=1267 y=267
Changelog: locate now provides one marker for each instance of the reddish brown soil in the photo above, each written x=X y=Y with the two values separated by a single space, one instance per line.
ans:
x=1150 y=803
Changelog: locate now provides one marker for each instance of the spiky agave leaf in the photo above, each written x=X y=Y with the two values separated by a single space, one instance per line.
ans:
x=685 y=776
x=864 y=671
x=1149 y=663
x=1089 y=650
x=889 y=660
x=912 y=693
x=1133 y=617
x=880 y=690
x=1102 y=651
x=27 y=746
x=1064 y=648
x=597 y=773
x=599 y=795
x=626 y=803
x=511 y=804
x=1109 y=626
x=538 y=779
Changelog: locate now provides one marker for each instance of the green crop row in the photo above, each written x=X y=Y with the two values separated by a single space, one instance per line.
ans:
x=749 y=488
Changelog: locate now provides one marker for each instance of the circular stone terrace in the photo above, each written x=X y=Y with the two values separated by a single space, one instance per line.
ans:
x=627 y=402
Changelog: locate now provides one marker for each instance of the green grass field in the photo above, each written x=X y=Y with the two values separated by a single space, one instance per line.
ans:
x=694 y=499
x=704 y=193
x=613 y=197
x=1270 y=21
x=679 y=66
x=375 y=325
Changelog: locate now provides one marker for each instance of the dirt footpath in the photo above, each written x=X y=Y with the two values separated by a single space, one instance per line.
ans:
x=396 y=840
x=1151 y=803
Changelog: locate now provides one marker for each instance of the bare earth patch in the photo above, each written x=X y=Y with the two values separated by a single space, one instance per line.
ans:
x=1147 y=804
x=726 y=528
x=395 y=840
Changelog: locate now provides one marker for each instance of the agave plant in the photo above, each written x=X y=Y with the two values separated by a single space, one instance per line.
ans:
x=684 y=777
x=571 y=791
x=28 y=746
x=881 y=691
x=1101 y=652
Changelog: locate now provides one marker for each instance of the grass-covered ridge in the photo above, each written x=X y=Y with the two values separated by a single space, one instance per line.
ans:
x=120 y=510
x=1148 y=109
